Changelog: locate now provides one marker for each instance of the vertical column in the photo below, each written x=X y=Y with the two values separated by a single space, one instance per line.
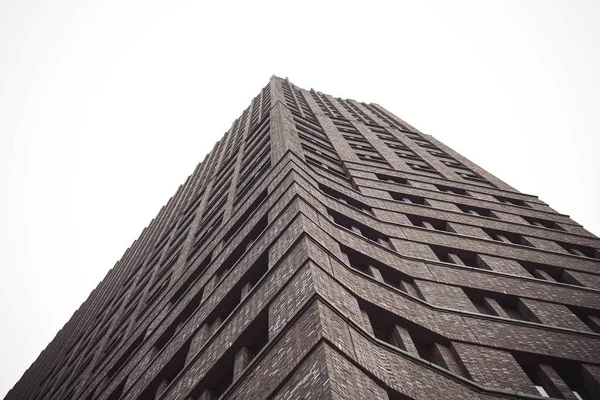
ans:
x=283 y=132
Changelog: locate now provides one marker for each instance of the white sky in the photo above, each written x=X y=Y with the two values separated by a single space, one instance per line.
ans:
x=107 y=106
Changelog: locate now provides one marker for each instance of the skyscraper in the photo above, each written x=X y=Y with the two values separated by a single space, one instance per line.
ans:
x=326 y=249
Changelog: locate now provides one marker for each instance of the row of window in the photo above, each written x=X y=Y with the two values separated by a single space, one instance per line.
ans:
x=251 y=340
x=456 y=191
x=441 y=225
x=161 y=282
x=173 y=237
x=438 y=350
x=486 y=302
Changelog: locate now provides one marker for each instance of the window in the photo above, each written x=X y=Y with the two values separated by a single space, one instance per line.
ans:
x=429 y=223
x=126 y=355
x=588 y=316
x=548 y=272
x=453 y=190
x=510 y=201
x=246 y=215
x=457 y=256
x=542 y=223
x=478 y=301
x=167 y=374
x=372 y=158
x=408 y=198
x=556 y=378
x=116 y=394
x=408 y=154
x=481 y=212
x=391 y=276
x=511 y=308
x=359 y=228
x=472 y=176
x=183 y=316
x=453 y=163
x=492 y=303
x=507 y=237
x=582 y=251
x=220 y=377
x=346 y=199
x=395 y=179
x=192 y=278
x=422 y=167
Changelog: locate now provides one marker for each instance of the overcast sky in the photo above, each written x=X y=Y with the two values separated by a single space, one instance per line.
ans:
x=107 y=106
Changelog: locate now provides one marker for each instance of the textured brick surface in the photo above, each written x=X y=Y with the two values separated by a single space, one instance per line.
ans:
x=326 y=249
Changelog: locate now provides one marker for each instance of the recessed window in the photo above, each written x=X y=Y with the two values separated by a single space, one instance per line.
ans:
x=359 y=228
x=507 y=237
x=542 y=223
x=578 y=250
x=479 y=211
x=429 y=223
x=511 y=201
x=395 y=179
x=408 y=198
x=453 y=190
x=457 y=256
x=359 y=205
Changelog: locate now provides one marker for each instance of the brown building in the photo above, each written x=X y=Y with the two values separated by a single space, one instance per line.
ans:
x=325 y=249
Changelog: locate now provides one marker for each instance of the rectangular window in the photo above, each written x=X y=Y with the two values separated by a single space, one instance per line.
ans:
x=198 y=270
x=457 y=256
x=548 y=272
x=395 y=179
x=246 y=215
x=183 y=316
x=359 y=205
x=542 y=223
x=408 y=198
x=507 y=237
x=578 y=250
x=164 y=378
x=359 y=228
x=453 y=190
x=429 y=223
x=481 y=212
x=220 y=377
x=478 y=301
x=511 y=201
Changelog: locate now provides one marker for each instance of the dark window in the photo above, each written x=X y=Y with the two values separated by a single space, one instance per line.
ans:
x=359 y=228
x=508 y=200
x=507 y=237
x=116 y=394
x=167 y=374
x=542 y=223
x=429 y=223
x=183 y=316
x=452 y=190
x=220 y=377
x=588 y=316
x=422 y=166
x=408 y=198
x=482 y=212
x=192 y=278
x=569 y=372
x=125 y=356
x=578 y=250
x=457 y=256
x=246 y=215
x=478 y=301
x=395 y=179
x=346 y=199
x=548 y=272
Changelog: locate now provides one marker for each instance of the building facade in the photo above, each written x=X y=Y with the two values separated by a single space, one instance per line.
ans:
x=326 y=249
